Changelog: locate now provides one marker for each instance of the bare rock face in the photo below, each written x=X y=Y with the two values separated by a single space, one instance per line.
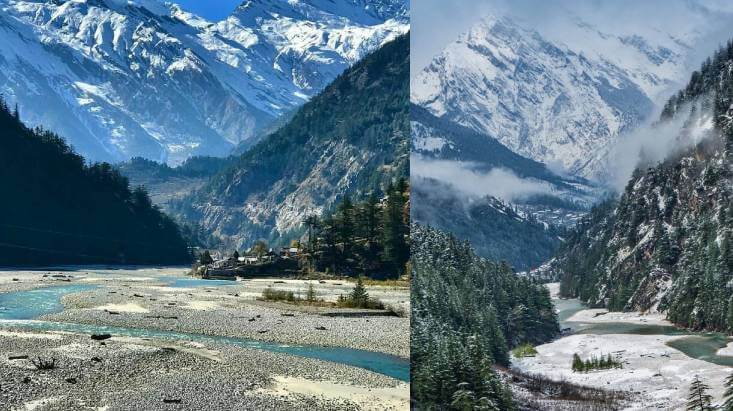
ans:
x=650 y=291
x=351 y=139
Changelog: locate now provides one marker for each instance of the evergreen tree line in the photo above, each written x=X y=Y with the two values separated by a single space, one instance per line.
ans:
x=367 y=238
x=142 y=169
x=495 y=229
x=57 y=209
x=467 y=312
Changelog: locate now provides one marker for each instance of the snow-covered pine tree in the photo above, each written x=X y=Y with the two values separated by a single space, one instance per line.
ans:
x=699 y=399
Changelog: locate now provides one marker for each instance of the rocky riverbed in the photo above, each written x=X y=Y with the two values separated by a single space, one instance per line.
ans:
x=134 y=373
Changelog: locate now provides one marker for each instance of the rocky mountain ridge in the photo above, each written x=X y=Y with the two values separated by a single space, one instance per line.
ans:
x=351 y=139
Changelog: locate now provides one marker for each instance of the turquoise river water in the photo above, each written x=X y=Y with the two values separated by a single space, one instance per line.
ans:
x=699 y=345
x=22 y=308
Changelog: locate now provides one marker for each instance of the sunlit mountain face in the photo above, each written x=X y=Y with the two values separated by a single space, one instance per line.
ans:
x=121 y=79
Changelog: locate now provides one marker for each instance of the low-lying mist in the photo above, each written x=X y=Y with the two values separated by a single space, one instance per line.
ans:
x=466 y=178
x=652 y=143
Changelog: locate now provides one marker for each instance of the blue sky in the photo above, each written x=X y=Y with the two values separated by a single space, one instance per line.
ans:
x=210 y=9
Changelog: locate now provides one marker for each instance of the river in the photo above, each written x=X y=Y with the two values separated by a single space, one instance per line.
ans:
x=698 y=345
x=20 y=309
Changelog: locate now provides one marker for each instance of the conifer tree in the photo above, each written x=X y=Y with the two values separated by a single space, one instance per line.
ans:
x=206 y=258
x=577 y=363
x=463 y=398
x=370 y=218
x=359 y=295
x=310 y=295
x=346 y=225
x=699 y=399
x=728 y=395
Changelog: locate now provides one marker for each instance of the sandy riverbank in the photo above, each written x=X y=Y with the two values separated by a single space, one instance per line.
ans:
x=140 y=298
x=134 y=374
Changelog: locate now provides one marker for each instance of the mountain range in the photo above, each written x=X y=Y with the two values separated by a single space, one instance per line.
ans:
x=561 y=96
x=472 y=186
x=532 y=116
x=121 y=79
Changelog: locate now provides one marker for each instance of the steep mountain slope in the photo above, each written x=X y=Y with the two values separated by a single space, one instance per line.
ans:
x=438 y=138
x=139 y=78
x=560 y=103
x=57 y=210
x=165 y=183
x=350 y=139
x=666 y=245
x=465 y=201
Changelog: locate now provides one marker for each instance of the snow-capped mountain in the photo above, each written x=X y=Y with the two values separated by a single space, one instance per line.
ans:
x=479 y=165
x=559 y=96
x=124 y=78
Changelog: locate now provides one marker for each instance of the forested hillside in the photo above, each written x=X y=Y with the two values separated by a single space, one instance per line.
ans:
x=165 y=183
x=467 y=312
x=142 y=169
x=58 y=209
x=667 y=244
x=352 y=139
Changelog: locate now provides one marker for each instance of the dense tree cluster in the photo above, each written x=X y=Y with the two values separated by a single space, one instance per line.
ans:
x=467 y=313
x=594 y=363
x=58 y=209
x=494 y=228
x=368 y=238
x=142 y=169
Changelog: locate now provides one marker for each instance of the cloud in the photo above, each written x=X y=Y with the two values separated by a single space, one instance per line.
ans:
x=466 y=178
x=436 y=23
x=653 y=143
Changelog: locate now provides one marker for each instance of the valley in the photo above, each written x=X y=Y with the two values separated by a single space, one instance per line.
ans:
x=190 y=333
x=545 y=141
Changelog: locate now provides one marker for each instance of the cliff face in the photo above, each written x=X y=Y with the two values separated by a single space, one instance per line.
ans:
x=665 y=244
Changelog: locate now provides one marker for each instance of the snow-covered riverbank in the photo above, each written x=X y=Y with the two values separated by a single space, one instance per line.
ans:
x=659 y=376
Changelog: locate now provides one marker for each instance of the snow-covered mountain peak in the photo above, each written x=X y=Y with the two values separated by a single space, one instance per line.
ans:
x=123 y=78
x=363 y=12
x=560 y=91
